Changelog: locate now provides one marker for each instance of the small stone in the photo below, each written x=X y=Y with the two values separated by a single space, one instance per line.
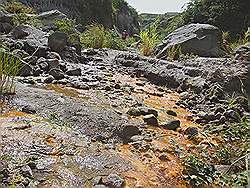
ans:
x=49 y=79
x=58 y=41
x=150 y=120
x=57 y=74
x=163 y=157
x=26 y=171
x=171 y=113
x=113 y=180
x=146 y=111
x=117 y=86
x=134 y=112
x=107 y=88
x=171 y=125
x=128 y=131
x=28 y=109
x=191 y=131
x=74 y=72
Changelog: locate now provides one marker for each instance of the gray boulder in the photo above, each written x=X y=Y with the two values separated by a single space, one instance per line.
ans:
x=58 y=41
x=26 y=69
x=57 y=74
x=49 y=18
x=5 y=27
x=34 y=40
x=74 y=72
x=5 y=17
x=199 y=39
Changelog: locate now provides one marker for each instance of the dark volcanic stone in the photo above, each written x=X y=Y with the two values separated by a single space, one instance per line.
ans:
x=191 y=131
x=29 y=109
x=58 y=41
x=171 y=113
x=150 y=120
x=74 y=72
x=57 y=74
x=171 y=125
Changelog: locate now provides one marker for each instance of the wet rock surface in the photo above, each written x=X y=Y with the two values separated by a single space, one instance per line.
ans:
x=106 y=118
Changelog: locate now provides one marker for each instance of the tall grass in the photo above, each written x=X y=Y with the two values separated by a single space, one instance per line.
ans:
x=148 y=40
x=9 y=67
x=174 y=52
x=232 y=45
x=96 y=36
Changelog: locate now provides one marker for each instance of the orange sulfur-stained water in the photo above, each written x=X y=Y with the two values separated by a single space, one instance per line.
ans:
x=149 y=170
x=156 y=160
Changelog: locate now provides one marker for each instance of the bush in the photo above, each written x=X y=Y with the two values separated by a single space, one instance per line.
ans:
x=66 y=25
x=9 y=67
x=148 y=40
x=96 y=36
x=197 y=172
x=228 y=15
x=17 y=7
x=22 y=18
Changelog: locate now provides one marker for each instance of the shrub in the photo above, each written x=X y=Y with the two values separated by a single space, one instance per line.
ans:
x=17 y=7
x=96 y=36
x=22 y=18
x=9 y=67
x=197 y=172
x=148 y=40
x=66 y=25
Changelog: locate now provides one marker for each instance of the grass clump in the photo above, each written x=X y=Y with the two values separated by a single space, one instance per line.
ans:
x=96 y=36
x=148 y=40
x=9 y=67
x=230 y=45
x=174 y=52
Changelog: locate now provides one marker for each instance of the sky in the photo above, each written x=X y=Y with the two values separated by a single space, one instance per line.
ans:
x=157 y=6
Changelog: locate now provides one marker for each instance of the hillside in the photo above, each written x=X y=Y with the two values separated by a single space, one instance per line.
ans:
x=146 y=19
x=107 y=13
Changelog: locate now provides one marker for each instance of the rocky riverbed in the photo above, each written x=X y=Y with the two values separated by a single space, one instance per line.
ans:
x=117 y=124
x=107 y=118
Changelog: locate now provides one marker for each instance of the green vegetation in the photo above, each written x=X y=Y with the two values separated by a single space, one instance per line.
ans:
x=96 y=36
x=9 y=67
x=148 y=40
x=174 y=53
x=17 y=8
x=197 y=172
x=118 y=5
x=22 y=18
x=230 y=16
x=22 y=14
x=66 y=25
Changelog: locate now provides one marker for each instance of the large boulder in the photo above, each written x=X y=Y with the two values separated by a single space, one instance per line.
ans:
x=5 y=17
x=199 y=39
x=34 y=40
x=5 y=27
x=58 y=41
